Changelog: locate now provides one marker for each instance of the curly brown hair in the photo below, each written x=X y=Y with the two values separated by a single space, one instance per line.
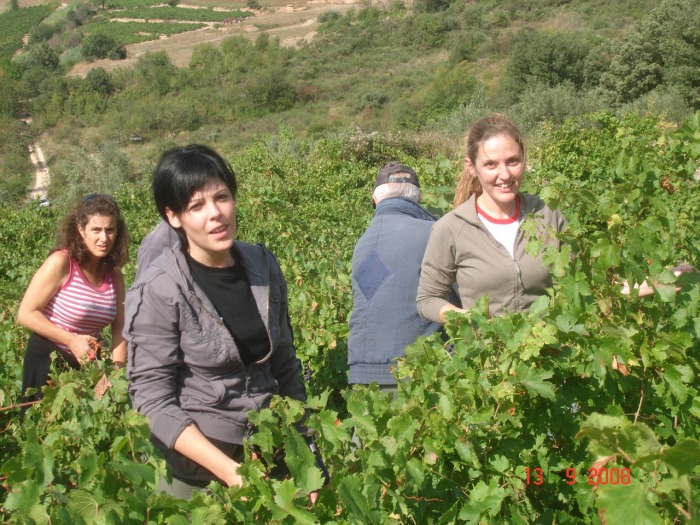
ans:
x=69 y=237
x=481 y=131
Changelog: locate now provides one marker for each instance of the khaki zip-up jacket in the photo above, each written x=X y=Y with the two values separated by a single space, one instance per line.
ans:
x=184 y=366
x=462 y=250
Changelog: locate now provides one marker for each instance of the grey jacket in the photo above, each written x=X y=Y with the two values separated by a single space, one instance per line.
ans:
x=385 y=269
x=161 y=238
x=183 y=364
x=461 y=249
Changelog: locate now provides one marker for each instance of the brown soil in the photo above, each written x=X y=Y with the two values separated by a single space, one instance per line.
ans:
x=292 y=24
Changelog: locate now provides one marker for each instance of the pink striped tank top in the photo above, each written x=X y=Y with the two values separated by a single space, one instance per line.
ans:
x=80 y=307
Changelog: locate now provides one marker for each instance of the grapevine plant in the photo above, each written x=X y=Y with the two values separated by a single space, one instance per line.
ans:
x=584 y=409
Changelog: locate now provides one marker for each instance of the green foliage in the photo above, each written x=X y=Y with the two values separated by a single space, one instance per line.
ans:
x=100 y=81
x=546 y=60
x=663 y=48
x=43 y=56
x=539 y=103
x=15 y=168
x=506 y=424
x=379 y=69
x=450 y=88
x=80 y=172
x=96 y=46
x=15 y=23
x=134 y=32
x=178 y=13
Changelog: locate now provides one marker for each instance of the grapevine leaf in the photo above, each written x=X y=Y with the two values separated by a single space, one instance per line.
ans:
x=684 y=456
x=137 y=473
x=332 y=428
x=605 y=255
x=611 y=435
x=446 y=407
x=483 y=499
x=209 y=515
x=39 y=515
x=179 y=520
x=695 y=408
x=678 y=377
x=84 y=504
x=87 y=467
x=358 y=411
x=627 y=504
x=500 y=463
x=350 y=491
x=668 y=485
x=40 y=461
x=534 y=381
x=466 y=452
x=415 y=470
x=285 y=493
x=25 y=496
x=666 y=292
x=301 y=462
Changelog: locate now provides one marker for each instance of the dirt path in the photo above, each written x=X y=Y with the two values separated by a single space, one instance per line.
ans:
x=42 y=177
x=41 y=169
x=290 y=24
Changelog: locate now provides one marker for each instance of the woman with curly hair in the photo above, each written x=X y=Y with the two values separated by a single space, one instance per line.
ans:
x=77 y=292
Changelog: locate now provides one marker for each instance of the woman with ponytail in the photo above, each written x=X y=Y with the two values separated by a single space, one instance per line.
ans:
x=480 y=244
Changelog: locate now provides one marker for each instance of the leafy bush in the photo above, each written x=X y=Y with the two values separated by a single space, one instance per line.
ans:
x=663 y=48
x=98 y=45
x=544 y=60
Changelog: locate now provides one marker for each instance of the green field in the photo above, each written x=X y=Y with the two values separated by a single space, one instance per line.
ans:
x=177 y=13
x=133 y=32
x=14 y=25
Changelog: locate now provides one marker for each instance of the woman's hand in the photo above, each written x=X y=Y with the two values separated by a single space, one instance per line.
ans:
x=449 y=308
x=232 y=478
x=194 y=445
x=82 y=347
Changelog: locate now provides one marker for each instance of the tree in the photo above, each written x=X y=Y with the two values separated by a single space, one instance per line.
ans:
x=45 y=56
x=9 y=104
x=546 y=59
x=81 y=172
x=663 y=49
x=99 y=81
x=98 y=46
x=154 y=73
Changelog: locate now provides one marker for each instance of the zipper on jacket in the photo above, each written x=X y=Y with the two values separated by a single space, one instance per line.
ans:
x=519 y=286
x=519 y=275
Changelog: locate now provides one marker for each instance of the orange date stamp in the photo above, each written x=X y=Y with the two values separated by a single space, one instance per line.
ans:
x=593 y=476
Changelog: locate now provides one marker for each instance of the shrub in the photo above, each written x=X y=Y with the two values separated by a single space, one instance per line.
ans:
x=98 y=46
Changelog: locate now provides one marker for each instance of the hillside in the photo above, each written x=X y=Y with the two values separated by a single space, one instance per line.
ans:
x=292 y=23
x=418 y=73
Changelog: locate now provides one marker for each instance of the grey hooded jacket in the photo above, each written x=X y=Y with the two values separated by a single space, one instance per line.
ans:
x=184 y=366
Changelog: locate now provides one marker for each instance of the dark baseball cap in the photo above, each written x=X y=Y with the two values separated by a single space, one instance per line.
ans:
x=396 y=172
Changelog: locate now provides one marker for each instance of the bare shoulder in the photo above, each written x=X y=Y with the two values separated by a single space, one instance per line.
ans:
x=58 y=263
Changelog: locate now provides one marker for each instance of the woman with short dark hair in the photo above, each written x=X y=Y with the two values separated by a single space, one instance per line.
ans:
x=207 y=325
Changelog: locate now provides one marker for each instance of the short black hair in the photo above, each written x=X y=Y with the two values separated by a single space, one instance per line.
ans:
x=182 y=171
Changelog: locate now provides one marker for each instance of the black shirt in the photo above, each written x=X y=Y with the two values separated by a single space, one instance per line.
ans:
x=229 y=291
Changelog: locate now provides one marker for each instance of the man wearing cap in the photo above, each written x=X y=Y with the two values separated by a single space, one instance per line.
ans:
x=386 y=265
